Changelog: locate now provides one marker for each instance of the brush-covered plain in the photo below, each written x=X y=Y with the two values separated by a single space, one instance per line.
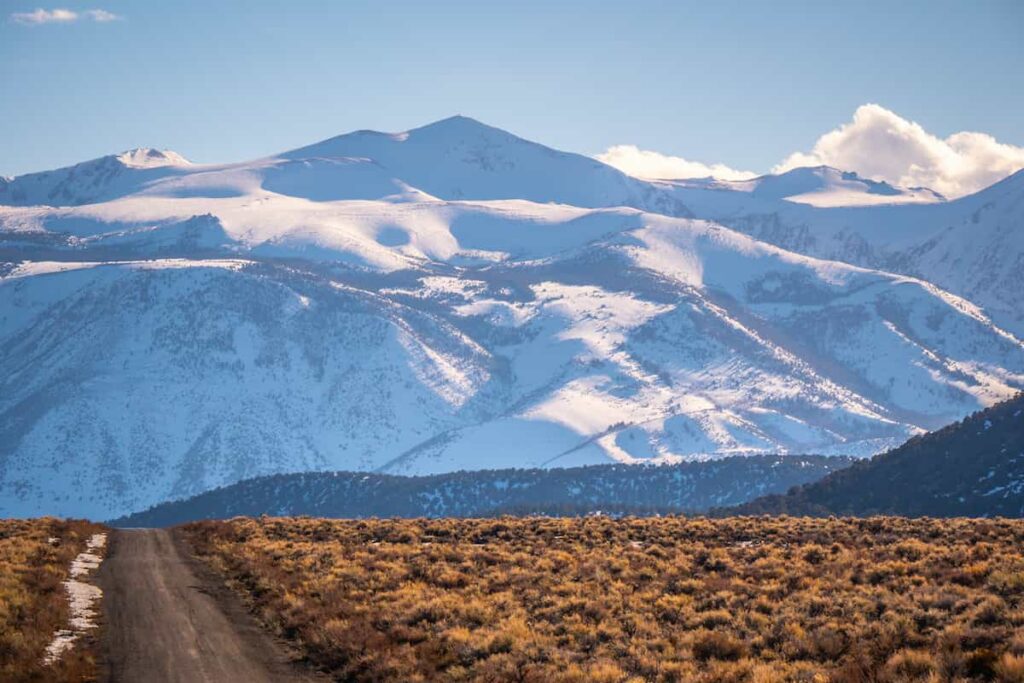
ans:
x=617 y=600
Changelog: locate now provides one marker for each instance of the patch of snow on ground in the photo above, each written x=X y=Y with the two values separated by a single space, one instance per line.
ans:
x=81 y=598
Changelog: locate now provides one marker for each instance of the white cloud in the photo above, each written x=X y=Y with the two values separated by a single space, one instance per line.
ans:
x=45 y=16
x=641 y=163
x=61 y=16
x=881 y=145
x=102 y=15
x=876 y=144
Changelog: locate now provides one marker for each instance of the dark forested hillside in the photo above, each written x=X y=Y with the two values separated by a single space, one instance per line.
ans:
x=686 y=487
x=972 y=468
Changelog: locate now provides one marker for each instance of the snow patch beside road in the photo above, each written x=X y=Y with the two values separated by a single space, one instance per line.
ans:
x=81 y=597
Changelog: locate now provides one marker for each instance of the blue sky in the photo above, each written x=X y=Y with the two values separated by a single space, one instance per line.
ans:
x=741 y=83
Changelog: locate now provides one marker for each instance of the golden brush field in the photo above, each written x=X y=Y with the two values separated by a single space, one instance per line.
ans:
x=605 y=600
x=35 y=558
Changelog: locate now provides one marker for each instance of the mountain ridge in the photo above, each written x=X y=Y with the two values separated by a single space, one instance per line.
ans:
x=687 y=487
x=971 y=468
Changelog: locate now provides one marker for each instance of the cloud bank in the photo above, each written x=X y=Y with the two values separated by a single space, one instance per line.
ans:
x=882 y=145
x=61 y=16
x=876 y=143
x=642 y=163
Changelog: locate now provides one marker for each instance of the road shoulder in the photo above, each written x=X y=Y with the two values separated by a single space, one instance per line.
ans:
x=168 y=617
x=278 y=656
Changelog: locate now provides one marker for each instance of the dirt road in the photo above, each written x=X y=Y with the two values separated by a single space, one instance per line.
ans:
x=165 y=619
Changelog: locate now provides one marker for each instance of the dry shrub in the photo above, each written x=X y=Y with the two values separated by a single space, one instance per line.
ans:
x=35 y=557
x=674 y=599
x=717 y=645
x=1010 y=669
x=911 y=665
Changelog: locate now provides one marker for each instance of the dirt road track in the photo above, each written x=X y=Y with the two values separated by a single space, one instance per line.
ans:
x=165 y=619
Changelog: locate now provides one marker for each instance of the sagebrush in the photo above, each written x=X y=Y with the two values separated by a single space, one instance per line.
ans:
x=665 y=599
x=35 y=559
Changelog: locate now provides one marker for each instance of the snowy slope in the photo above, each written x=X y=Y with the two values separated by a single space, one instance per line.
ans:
x=981 y=254
x=971 y=246
x=125 y=383
x=91 y=181
x=449 y=298
x=460 y=158
x=821 y=186
x=457 y=158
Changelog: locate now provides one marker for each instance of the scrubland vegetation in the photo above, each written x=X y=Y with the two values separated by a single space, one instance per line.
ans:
x=35 y=557
x=609 y=601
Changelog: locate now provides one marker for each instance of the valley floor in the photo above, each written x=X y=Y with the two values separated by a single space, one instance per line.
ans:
x=883 y=599
x=630 y=600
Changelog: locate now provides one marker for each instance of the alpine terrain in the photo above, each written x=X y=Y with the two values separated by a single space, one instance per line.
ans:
x=457 y=298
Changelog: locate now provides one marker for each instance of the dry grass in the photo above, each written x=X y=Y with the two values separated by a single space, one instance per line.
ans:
x=33 y=603
x=672 y=599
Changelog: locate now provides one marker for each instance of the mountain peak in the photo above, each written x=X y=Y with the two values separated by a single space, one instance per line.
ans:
x=456 y=119
x=828 y=186
x=459 y=126
x=147 y=157
x=460 y=158
x=454 y=127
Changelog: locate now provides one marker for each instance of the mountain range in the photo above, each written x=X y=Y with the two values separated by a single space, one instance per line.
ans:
x=971 y=468
x=457 y=298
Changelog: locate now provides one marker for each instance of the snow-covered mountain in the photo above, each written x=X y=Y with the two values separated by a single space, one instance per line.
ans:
x=454 y=159
x=820 y=186
x=90 y=181
x=971 y=246
x=456 y=297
